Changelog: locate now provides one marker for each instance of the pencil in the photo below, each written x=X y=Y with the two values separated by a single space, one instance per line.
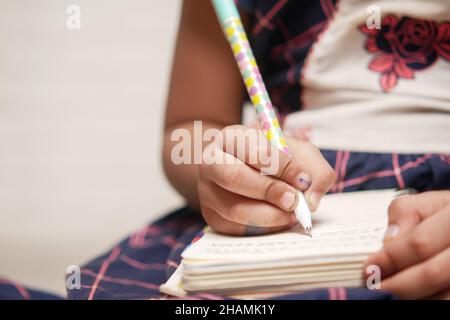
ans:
x=231 y=23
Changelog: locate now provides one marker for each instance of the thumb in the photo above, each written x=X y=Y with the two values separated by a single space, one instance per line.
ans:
x=407 y=211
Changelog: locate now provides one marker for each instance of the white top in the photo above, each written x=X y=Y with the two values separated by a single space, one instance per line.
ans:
x=358 y=96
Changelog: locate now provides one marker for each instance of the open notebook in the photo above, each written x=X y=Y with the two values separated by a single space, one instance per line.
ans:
x=346 y=229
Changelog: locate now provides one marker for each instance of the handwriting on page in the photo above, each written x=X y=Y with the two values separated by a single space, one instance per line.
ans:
x=325 y=238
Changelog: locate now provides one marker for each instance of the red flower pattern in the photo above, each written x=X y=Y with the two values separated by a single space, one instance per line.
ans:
x=404 y=46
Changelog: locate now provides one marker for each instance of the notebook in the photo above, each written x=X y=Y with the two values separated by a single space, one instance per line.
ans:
x=347 y=228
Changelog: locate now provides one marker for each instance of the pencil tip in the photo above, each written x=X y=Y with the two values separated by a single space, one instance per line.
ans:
x=308 y=230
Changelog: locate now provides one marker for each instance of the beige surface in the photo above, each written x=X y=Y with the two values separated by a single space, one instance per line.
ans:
x=80 y=124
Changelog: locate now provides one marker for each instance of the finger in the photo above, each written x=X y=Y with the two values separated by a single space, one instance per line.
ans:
x=242 y=210
x=310 y=160
x=251 y=146
x=236 y=177
x=427 y=239
x=407 y=211
x=305 y=169
x=222 y=225
x=421 y=280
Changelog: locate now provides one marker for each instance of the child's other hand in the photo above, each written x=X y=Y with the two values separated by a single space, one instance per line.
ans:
x=415 y=261
x=237 y=199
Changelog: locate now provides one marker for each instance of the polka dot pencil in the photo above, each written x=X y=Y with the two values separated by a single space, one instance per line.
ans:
x=234 y=31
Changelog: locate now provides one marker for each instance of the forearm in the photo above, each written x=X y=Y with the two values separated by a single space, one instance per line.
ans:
x=184 y=177
x=205 y=85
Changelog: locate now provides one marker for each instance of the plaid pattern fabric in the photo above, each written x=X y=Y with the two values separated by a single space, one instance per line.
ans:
x=136 y=267
x=281 y=33
x=10 y=290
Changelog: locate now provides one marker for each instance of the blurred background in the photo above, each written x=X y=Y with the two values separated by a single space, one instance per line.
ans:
x=80 y=130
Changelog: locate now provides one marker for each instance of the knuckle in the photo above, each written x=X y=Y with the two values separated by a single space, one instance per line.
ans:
x=290 y=170
x=329 y=177
x=324 y=179
x=400 y=210
x=269 y=189
x=302 y=147
x=397 y=206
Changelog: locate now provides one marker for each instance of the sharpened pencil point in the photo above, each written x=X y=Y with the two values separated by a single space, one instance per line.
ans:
x=308 y=230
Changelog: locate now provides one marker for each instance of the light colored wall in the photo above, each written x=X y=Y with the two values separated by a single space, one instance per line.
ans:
x=80 y=130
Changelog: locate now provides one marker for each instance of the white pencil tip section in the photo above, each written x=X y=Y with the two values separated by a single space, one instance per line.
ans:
x=303 y=214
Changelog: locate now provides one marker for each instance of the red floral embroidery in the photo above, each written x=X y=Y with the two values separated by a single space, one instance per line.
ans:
x=404 y=46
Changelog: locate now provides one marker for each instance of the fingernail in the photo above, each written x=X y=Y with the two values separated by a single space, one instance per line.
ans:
x=314 y=200
x=304 y=181
x=391 y=232
x=288 y=200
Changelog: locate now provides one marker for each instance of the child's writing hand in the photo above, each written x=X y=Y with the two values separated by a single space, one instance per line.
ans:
x=415 y=261
x=237 y=199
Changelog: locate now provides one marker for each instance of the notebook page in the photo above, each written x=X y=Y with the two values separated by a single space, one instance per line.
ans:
x=345 y=224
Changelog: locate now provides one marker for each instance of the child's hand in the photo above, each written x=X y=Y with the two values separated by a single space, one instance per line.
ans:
x=237 y=199
x=415 y=261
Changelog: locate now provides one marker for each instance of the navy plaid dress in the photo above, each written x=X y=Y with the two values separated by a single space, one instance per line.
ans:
x=134 y=268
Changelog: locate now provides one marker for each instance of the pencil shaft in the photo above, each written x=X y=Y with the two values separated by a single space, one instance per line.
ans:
x=254 y=83
x=242 y=51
